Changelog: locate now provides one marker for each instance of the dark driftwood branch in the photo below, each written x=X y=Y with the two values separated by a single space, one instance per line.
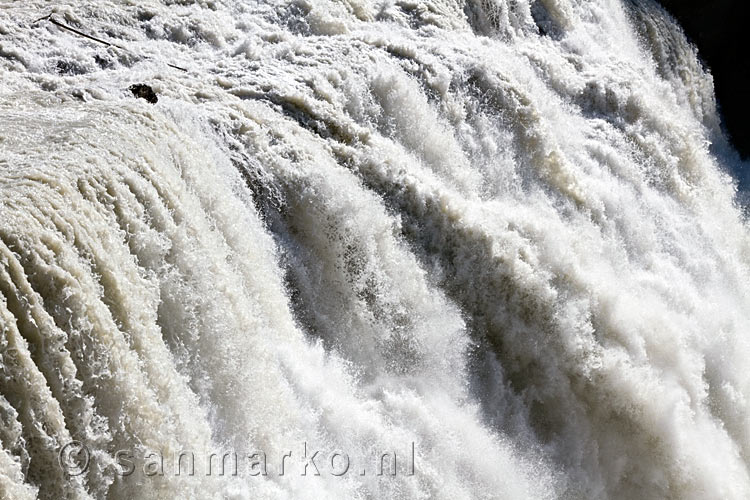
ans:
x=176 y=67
x=98 y=40
x=66 y=27
x=42 y=19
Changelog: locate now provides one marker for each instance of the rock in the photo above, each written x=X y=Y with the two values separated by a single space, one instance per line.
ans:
x=70 y=68
x=143 y=91
x=718 y=28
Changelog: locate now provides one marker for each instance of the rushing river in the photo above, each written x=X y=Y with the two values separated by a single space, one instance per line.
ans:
x=442 y=249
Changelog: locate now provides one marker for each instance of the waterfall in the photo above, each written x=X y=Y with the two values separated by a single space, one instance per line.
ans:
x=488 y=249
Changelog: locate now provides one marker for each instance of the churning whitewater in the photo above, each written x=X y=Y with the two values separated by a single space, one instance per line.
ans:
x=478 y=249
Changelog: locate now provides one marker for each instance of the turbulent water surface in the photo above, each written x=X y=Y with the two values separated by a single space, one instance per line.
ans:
x=494 y=238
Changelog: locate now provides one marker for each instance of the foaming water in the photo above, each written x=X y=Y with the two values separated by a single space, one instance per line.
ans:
x=494 y=239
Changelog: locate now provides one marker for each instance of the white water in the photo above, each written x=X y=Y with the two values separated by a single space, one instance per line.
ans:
x=499 y=230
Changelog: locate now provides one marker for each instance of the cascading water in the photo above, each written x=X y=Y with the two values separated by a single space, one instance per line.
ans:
x=495 y=239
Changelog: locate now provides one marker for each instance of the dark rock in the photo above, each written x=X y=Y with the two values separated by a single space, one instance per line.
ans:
x=144 y=92
x=718 y=29
x=70 y=68
x=103 y=62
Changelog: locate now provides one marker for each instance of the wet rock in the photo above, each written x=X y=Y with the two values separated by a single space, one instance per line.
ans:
x=144 y=91
x=70 y=68
x=718 y=28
